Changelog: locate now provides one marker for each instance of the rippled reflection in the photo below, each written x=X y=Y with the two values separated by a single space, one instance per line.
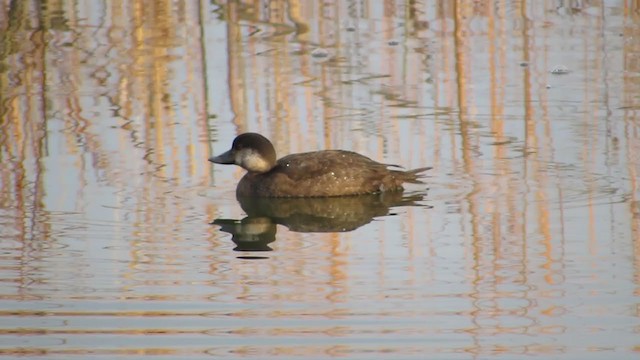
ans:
x=110 y=109
x=332 y=214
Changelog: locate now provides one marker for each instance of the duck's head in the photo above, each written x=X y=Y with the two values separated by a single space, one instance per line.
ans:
x=253 y=152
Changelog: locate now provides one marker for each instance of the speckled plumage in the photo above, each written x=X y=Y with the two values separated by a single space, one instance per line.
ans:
x=311 y=174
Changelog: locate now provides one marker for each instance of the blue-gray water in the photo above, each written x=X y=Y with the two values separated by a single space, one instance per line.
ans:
x=526 y=243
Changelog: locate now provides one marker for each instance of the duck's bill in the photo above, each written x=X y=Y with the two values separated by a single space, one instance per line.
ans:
x=224 y=158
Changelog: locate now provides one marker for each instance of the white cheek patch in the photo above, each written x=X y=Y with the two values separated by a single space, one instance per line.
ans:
x=252 y=161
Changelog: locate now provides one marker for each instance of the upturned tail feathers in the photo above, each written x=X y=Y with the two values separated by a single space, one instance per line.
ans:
x=413 y=176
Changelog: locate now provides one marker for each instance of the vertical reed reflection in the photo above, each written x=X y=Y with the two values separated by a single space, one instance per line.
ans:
x=23 y=135
x=92 y=101
x=631 y=112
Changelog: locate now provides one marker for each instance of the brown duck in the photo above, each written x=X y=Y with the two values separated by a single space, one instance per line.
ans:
x=310 y=174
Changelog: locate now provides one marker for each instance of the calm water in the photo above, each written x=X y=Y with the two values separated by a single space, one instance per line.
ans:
x=119 y=239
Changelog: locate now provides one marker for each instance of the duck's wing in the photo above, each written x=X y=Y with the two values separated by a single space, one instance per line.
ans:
x=336 y=163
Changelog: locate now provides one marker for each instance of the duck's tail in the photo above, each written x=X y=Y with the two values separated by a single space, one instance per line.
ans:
x=413 y=176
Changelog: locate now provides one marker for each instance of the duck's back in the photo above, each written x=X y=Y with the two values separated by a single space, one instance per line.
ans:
x=325 y=173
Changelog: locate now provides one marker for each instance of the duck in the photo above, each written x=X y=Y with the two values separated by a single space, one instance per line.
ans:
x=324 y=173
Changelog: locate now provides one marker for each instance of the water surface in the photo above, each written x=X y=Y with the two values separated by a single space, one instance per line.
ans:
x=119 y=240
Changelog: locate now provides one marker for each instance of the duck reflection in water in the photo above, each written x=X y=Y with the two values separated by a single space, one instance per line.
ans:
x=332 y=214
